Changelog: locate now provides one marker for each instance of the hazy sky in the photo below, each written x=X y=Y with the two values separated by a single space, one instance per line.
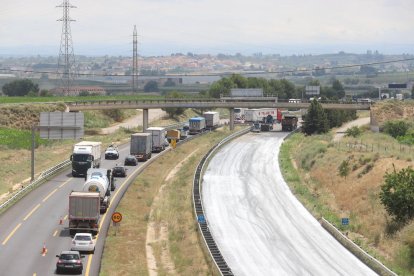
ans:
x=210 y=26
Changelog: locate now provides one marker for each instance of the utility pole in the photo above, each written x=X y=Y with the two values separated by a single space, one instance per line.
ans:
x=66 y=54
x=135 y=61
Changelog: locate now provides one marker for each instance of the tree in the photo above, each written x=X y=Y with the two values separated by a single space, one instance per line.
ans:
x=316 y=120
x=412 y=92
x=20 y=88
x=338 y=88
x=174 y=111
x=169 y=83
x=151 y=86
x=344 y=168
x=397 y=194
x=396 y=128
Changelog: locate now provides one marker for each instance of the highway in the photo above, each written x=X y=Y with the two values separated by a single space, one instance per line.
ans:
x=258 y=224
x=35 y=221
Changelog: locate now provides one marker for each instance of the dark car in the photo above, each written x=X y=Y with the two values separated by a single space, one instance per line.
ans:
x=130 y=160
x=111 y=153
x=69 y=261
x=119 y=171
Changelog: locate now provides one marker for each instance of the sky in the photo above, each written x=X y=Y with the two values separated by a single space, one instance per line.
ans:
x=283 y=27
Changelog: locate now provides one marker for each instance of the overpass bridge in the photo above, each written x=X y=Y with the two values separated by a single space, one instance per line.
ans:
x=230 y=103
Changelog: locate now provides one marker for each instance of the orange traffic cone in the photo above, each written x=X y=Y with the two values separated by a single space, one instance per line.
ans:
x=44 y=250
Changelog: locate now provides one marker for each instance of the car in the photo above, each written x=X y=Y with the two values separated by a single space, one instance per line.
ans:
x=111 y=153
x=83 y=242
x=119 y=171
x=69 y=261
x=130 y=160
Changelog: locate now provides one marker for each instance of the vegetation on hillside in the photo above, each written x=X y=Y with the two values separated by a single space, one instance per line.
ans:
x=373 y=187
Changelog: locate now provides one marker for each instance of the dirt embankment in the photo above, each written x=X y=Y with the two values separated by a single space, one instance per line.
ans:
x=24 y=116
x=392 y=110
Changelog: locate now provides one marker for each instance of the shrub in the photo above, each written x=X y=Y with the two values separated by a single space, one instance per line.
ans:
x=353 y=132
x=396 y=128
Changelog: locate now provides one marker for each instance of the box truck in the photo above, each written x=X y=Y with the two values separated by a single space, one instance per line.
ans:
x=141 y=146
x=197 y=125
x=212 y=119
x=158 y=138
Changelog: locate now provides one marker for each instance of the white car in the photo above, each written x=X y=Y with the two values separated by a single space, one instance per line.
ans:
x=111 y=153
x=83 y=242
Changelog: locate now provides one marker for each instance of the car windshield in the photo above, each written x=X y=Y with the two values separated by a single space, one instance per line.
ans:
x=118 y=169
x=83 y=238
x=80 y=157
x=69 y=257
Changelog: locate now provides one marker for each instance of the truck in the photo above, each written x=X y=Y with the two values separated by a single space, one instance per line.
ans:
x=267 y=123
x=289 y=122
x=85 y=155
x=183 y=133
x=173 y=134
x=212 y=119
x=141 y=146
x=256 y=127
x=84 y=212
x=253 y=115
x=158 y=138
x=197 y=125
x=102 y=182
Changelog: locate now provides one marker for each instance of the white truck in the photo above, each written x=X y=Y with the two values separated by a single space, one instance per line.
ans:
x=212 y=119
x=254 y=115
x=85 y=155
x=100 y=181
x=158 y=138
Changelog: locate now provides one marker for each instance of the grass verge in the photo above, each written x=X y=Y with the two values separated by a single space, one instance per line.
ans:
x=175 y=210
x=310 y=166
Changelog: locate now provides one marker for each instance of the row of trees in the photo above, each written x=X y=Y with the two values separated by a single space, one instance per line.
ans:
x=283 y=89
x=20 y=88
x=318 y=121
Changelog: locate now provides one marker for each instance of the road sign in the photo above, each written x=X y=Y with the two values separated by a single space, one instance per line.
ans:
x=116 y=217
x=173 y=143
x=313 y=90
x=201 y=219
x=345 y=221
x=61 y=125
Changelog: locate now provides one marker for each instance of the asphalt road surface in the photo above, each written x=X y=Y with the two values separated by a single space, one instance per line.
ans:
x=34 y=222
x=258 y=224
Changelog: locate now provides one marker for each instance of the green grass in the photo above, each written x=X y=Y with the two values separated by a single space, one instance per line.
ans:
x=19 y=139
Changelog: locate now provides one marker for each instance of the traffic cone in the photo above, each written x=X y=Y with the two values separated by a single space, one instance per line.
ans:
x=44 y=249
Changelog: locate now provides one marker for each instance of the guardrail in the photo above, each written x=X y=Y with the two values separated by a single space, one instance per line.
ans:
x=367 y=259
x=42 y=177
x=209 y=242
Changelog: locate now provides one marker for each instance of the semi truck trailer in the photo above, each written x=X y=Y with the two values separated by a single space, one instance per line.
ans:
x=84 y=212
x=158 y=138
x=141 y=146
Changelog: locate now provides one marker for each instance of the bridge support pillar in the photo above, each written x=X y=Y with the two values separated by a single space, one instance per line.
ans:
x=144 y=120
x=231 y=118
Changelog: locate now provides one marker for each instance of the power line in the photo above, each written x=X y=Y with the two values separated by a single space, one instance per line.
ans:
x=220 y=74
